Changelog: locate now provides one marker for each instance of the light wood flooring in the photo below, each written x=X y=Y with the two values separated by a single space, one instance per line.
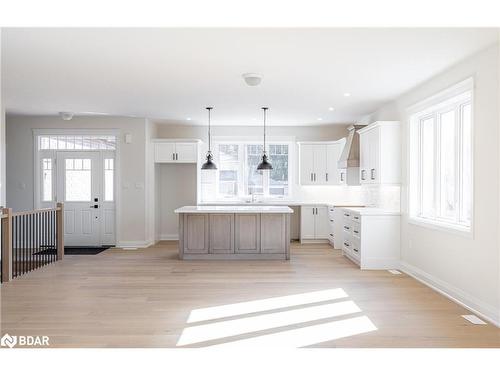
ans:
x=149 y=298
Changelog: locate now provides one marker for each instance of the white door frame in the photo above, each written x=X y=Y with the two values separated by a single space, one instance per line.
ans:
x=64 y=131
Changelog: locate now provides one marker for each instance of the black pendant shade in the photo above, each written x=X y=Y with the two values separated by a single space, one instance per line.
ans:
x=264 y=164
x=209 y=164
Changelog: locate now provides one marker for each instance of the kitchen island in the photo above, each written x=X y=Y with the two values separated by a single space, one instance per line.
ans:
x=234 y=232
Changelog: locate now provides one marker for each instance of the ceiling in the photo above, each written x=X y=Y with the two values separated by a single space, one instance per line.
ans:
x=173 y=74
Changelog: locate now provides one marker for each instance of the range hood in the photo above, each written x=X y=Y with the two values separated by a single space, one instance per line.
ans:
x=349 y=159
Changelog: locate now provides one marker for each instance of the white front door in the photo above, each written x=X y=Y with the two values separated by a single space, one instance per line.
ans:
x=79 y=187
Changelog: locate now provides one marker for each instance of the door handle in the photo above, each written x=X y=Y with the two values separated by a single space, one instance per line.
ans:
x=173 y=155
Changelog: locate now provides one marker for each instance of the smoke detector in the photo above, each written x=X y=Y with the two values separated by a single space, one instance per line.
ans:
x=252 y=79
x=66 y=116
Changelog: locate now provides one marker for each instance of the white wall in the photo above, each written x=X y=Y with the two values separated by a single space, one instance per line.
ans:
x=467 y=269
x=132 y=224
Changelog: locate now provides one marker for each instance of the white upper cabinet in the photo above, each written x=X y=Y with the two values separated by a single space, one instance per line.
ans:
x=380 y=153
x=318 y=163
x=172 y=151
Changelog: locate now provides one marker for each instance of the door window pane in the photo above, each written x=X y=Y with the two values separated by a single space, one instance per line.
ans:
x=47 y=180
x=109 y=176
x=78 y=180
x=428 y=168
x=447 y=157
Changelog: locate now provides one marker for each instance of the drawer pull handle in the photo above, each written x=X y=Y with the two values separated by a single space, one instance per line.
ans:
x=356 y=231
x=356 y=250
x=347 y=215
x=346 y=244
x=346 y=227
x=372 y=173
x=356 y=217
x=331 y=220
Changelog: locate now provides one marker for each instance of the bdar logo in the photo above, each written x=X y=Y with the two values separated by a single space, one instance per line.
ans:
x=8 y=340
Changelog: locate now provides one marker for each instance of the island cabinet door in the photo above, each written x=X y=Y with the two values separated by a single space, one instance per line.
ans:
x=221 y=233
x=273 y=234
x=247 y=233
x=196 y=237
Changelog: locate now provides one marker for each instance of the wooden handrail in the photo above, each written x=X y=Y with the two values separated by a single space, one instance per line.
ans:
x=21 y=213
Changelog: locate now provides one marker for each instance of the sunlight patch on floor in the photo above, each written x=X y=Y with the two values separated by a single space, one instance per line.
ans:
x=294 y=312
x=301 y=337
x=228 y=328
x=225 y=311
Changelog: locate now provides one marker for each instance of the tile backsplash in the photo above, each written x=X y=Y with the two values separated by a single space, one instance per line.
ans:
x=387 y=197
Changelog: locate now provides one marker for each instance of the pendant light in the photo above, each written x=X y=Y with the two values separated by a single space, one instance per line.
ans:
x=209 y=164
x=264 y=164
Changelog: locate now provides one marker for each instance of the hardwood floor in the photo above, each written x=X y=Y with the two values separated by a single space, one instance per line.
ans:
x=149 y=298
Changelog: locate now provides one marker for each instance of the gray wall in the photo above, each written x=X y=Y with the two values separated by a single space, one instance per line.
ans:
x=19 y=134
x=177 y=188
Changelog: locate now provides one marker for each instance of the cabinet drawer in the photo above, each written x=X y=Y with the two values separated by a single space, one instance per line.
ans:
x=356 y=248
x=347 y=215
x=347 y=227
x=356 y=217
x=356 y=230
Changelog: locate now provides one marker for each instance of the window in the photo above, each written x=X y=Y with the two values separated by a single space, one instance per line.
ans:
x=47 y=191
x=237 y=176
x=109 y=174
x=441 y=160
x=76 y=142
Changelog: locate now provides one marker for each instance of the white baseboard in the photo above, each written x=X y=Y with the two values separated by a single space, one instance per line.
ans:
x=134 y=244
x=464 y=299
x=169 y=237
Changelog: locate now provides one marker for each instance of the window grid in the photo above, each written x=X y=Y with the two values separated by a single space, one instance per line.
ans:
x=243 y=161
x=76 y=142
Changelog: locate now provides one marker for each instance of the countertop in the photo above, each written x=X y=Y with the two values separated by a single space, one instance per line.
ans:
x=277 y=203
x=250 y=209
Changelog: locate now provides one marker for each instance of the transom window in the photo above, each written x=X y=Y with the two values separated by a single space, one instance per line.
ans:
x=76 y=142
x=237 y=176
x=441 y=160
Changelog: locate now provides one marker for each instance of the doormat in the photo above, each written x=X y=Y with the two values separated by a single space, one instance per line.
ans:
x=73 y=250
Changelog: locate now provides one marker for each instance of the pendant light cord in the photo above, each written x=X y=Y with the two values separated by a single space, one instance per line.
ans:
x=265 y=109
x=209 y=134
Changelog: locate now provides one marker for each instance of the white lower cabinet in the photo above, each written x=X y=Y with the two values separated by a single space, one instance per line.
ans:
x=371 y=238
x=314 y=223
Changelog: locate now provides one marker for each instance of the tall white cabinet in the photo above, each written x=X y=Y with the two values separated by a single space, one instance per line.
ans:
x=380 y=153
x=318 y=163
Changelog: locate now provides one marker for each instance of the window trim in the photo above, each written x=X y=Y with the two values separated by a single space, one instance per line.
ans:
x=433 y=107
x=242 y=142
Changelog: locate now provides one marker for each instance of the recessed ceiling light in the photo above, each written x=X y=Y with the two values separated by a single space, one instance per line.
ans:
x=188 y=118
x=347 y=94
x=320 y=119
x=331 y=109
